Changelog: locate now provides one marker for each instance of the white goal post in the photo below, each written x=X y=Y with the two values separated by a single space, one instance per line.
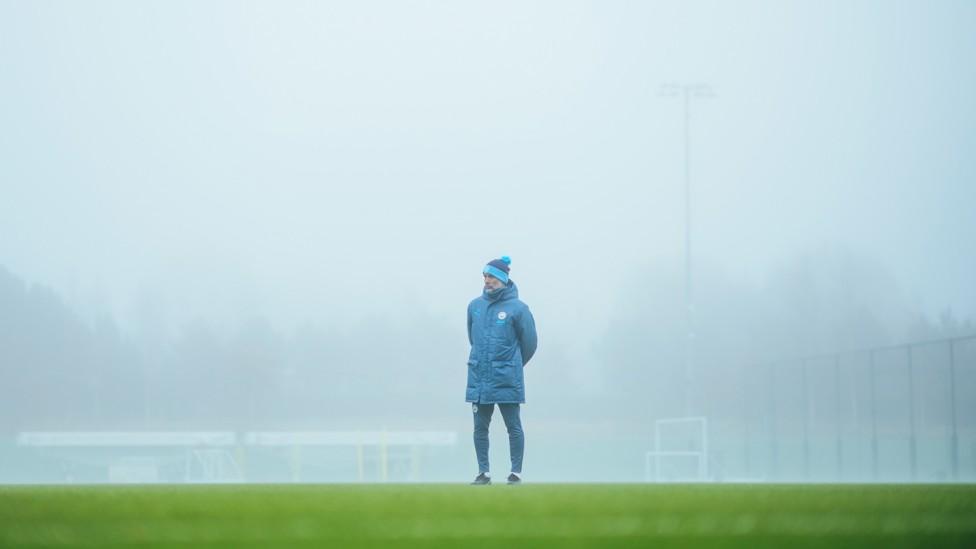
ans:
x=699 y=452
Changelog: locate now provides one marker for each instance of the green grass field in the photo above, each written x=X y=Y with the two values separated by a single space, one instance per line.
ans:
x=541 y=515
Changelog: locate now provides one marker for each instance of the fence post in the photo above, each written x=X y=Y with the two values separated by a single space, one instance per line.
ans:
x=874 y=421
x=952 y=407
x=745 y=421
x=771 y=424
x=806 y=420
x=837 y=401
x=912 y=443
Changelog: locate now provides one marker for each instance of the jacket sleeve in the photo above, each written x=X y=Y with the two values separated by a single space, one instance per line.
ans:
x=528 y=339
x=470 y=341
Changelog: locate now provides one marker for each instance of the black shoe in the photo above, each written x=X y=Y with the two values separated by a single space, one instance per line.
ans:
x=514 y=479
x=482 y=479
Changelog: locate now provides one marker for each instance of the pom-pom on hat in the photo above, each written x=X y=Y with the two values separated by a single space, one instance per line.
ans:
x=498 y=268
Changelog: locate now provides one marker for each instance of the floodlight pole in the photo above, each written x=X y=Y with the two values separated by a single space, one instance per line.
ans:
x=688 y=91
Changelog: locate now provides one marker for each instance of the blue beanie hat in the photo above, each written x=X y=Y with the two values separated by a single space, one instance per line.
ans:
x=498 y=268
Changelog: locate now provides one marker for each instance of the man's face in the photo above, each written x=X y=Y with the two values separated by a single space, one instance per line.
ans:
x=492 y=283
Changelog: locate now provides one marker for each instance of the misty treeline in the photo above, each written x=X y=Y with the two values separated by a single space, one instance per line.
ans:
x=61 y=372
x=824 y=301
x=58 y=371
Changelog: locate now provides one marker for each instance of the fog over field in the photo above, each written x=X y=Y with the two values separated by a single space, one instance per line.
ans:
x=250 y=217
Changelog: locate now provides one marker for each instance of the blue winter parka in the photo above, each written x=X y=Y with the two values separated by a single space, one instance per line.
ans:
x=502 y=334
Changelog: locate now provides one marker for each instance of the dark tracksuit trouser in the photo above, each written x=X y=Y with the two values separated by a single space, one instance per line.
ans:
x=511 y=413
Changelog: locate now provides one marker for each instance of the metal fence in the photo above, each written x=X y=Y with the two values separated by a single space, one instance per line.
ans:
x=896 y=413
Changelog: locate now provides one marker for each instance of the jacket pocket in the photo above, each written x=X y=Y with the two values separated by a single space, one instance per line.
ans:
x=503 y=375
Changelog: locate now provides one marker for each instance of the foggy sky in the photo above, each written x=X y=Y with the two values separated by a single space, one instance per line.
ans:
x=326 y=162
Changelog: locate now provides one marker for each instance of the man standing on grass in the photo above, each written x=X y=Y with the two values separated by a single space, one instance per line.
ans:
x=501 y=331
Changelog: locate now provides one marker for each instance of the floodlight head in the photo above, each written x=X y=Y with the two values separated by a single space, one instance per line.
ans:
x=697 y=91
x=669 y=89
